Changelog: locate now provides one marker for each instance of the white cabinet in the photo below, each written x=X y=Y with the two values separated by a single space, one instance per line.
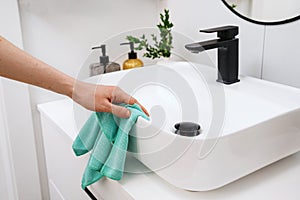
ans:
x=64 y=169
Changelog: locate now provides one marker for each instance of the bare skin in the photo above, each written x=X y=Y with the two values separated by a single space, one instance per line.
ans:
x=18 y=65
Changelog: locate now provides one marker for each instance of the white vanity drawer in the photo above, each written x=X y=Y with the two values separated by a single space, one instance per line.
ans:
x=64 y=169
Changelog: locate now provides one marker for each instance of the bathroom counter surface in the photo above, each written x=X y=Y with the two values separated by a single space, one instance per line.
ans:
x=280 y=180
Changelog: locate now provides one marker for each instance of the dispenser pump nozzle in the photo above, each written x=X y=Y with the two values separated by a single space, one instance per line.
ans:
x=131 y=54
x=104 y=59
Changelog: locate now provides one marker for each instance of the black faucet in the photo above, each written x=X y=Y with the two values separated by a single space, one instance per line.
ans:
x=228 y=52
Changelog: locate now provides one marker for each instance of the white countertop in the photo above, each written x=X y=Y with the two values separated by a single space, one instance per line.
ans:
x=278 y=181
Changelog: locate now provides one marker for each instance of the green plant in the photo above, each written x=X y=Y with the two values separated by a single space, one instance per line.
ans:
x=160 y=48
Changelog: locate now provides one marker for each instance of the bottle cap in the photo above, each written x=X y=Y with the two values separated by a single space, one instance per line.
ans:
x=131 y=54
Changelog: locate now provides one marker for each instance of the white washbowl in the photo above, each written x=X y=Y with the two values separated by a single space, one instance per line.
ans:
x=244 y=126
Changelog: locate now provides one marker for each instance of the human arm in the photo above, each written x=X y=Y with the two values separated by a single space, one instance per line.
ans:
x=20 y=66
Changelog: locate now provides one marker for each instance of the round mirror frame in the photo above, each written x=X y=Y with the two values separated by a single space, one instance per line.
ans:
x=260 y=22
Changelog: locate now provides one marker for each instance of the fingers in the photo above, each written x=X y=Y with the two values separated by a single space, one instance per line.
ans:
x=119 y=96
x=120 y=111
x=104 y=98
x=144 y=110
x=122 y=97
x=133 y=101
x=123 y=112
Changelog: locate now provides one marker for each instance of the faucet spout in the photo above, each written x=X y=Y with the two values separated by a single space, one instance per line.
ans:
x=205 y=45
x=227 y=46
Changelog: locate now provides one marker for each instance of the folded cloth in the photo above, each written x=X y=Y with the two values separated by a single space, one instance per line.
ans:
x=107 y=136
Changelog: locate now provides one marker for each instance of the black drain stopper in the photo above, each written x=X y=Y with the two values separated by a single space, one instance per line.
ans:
x=189 y=129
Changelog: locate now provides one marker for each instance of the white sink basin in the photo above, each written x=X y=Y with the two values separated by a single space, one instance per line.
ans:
x=244 y=126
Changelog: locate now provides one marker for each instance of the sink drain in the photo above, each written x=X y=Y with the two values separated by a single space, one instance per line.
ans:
x=189 y=129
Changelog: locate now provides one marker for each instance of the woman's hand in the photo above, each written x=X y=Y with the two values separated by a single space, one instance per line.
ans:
x=102 y=98
x=20 y=66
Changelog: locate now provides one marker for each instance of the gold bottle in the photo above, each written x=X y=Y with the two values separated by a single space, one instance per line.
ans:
x=132 y=61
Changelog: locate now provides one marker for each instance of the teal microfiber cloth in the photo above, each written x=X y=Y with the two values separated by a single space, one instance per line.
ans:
x=106 y=135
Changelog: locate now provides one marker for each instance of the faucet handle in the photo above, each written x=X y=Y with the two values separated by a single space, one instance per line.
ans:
x=224 y=32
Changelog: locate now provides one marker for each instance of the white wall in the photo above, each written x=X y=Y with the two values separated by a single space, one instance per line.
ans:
x=8 y=188
x=18 y=153
x=281 y=57
x=62 y=33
